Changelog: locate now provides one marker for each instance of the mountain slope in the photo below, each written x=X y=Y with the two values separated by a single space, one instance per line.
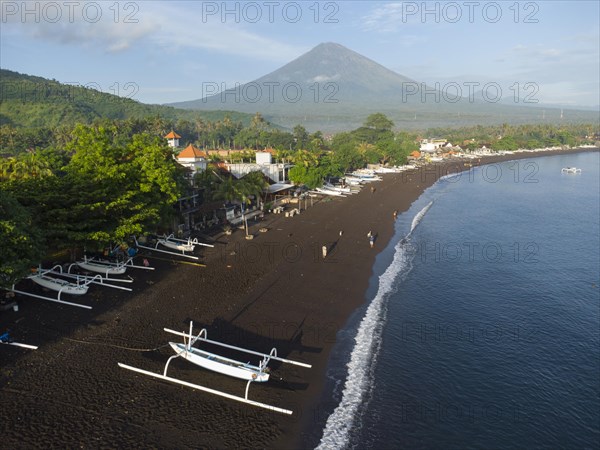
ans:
x=332 y=88
x=30 y=101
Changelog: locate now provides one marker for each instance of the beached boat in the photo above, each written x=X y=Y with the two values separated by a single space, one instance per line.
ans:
x=219 y=364
x=329 y=192
x=101 y=267
x=169 y=242
x=216 y=363
x=59 y=285
x=570 y=170
x=343 y=190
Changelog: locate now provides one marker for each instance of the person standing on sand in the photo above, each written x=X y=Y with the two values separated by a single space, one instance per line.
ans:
x=371 y=241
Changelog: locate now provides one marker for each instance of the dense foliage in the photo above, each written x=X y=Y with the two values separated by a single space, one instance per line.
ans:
x=103 y=187
x=513 y=137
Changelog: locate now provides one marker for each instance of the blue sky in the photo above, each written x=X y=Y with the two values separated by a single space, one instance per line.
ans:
x=160 y=52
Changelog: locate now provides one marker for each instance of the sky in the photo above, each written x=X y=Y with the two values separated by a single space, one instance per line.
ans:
x=161 y=52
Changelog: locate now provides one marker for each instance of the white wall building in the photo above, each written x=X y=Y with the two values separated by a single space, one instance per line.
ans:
x=277 y=172
x=193 y=158
x=173 y=139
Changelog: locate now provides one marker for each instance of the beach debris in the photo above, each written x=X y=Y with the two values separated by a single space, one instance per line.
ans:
x=5 y=338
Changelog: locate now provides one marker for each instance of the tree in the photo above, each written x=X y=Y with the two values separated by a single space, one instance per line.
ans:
x=300 y=137
x=379 y=122
x=21 y=243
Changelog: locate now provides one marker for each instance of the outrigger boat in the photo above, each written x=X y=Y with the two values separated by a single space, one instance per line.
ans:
x=186 y=245
x=324 y=191
x=88 y=279
x=216 y=363
x=174 y=244
x=100 y=267
x=56 y=284
x=127 y=264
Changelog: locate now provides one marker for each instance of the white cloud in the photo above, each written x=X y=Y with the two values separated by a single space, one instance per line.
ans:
x=324 y=78
x=168 y=25
x=385 y=19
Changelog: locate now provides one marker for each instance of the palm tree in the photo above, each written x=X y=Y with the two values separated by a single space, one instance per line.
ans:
x=226 y=191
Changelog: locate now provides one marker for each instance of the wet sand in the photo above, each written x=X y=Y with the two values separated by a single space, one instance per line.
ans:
x=273 y=291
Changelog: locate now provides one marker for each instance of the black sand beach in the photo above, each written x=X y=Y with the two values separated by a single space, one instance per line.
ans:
x=273 y=291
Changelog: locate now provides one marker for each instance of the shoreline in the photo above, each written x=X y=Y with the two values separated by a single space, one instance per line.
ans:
x=275 y=290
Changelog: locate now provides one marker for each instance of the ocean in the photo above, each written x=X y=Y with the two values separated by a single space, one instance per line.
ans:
x=481 y=327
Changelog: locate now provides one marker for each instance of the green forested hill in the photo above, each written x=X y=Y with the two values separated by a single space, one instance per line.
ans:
x=36 y=102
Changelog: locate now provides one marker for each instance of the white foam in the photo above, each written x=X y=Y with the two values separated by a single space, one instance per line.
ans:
x=364 y=355
x=419 y=217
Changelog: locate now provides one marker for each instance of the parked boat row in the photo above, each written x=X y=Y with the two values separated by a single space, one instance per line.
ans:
x=76 y=278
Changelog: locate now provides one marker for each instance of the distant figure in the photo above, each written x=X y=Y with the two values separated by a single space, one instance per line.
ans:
x=369 y=234
x=324 y=250
x=395 y=214
x=371 y=241
x=341 y=232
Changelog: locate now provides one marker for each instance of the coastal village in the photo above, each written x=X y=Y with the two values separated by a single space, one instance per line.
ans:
x=199 y=213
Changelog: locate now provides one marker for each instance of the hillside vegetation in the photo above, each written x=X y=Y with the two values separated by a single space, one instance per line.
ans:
x=36 y=102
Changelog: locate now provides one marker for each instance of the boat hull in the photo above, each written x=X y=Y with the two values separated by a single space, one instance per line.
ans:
x=102 y=268
x=176 y=246
x=220 y=364
x=59 y=285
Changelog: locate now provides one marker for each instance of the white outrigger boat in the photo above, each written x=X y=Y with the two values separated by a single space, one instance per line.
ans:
x=101 y=268
x=56 y=284
x=127 y=264
x=216 y=363
x=570 y=170
x=173 y=243
x=59 y=285
x=331 y=192
x=343 y=190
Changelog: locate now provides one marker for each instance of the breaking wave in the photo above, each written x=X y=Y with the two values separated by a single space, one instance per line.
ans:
x=364 y=354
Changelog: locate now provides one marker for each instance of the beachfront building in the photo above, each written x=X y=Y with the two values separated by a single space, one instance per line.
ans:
x=433 y=145
x=173 y=139
x=194 y=159
x=276 y=172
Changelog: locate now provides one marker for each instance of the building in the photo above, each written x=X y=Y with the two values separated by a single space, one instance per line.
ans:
x=173 y=139
x=433 y=145
x=194 y=159
x=276 y=172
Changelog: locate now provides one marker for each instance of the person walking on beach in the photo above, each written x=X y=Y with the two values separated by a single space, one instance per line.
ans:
x=371 y=241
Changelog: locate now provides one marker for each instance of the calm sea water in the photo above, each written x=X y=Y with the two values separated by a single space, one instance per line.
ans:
x=482 y=328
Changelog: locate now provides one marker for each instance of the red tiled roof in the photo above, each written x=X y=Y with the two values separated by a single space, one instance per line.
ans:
x=172 y=135
x=191 y=151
